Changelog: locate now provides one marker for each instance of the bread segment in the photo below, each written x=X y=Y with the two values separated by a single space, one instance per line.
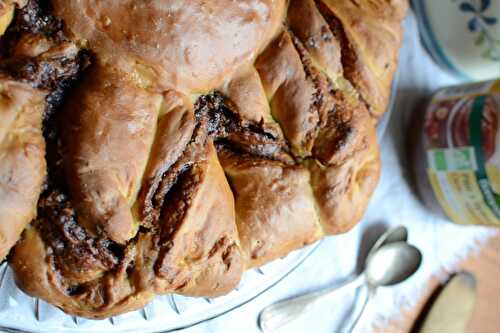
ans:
x=175 y=129
x=368 y=33
x=6 y=15
x=22 y=162
x=7 y=8
x=316 y=36
x=200 y=251
x=275 y=208
x=191 y=46
x=342 y=191
x=291 y=93
x=108 y=131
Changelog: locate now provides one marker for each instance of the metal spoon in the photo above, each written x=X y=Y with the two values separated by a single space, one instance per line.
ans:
x=397 y=234
x=394 y=235
x=390 y=265
x=281 y=313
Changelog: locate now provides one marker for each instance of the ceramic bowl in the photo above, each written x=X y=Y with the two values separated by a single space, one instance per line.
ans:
x=463 y=36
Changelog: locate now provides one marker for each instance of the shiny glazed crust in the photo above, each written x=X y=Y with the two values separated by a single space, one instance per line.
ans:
x=201 y=139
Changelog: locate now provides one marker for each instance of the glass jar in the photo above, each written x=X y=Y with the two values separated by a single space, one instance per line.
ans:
x=457 y=156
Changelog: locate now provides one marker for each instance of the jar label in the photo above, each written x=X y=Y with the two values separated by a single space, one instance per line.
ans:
x=462 y=138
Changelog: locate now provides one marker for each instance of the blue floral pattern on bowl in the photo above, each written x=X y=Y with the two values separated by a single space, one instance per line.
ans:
x=480 y=23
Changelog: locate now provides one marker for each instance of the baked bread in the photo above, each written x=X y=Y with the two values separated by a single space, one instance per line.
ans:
x=186 y=141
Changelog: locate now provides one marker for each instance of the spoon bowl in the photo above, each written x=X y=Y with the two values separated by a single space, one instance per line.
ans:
x=394 y=235
x=392 y=263
x=389 y=265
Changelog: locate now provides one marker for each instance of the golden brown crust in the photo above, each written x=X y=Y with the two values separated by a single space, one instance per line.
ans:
x=291 y=93
x=9 y=5
x=7 y=8
x=22 y=150
x=107 y=144
x=143 y=206
x=316 y=35
x=247 y=94
x=143 y=33
x=371 y=33
x=343 y=189
x=6 y=16
x=275 y=208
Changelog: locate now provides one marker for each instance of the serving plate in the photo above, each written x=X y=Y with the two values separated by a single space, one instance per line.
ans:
x=21 y=313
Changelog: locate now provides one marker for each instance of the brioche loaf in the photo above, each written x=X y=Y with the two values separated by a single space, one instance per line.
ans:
x=184 y=141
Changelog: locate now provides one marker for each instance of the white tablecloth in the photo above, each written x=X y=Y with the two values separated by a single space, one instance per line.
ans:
x=443 y=244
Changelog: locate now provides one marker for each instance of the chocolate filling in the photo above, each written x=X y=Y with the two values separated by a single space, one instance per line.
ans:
x=71 y=246
x=180 y=199
x=214 y=120
x=227 y=128
x=55 y=69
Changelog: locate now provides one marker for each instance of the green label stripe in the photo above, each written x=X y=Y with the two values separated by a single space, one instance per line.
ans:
x=452 y=159
x=440 y=160
x=491 y=199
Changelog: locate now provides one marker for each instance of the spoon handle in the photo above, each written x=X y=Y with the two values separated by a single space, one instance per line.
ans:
x=277 y=315
x=354 y=324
